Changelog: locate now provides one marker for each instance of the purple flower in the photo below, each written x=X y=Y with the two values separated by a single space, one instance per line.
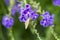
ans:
x=44 y=22
x=34 y=15
x=47 y=19
x=22 y=18
x=7 y=21
x=7 y=2
x=15 y=1
x=15 y=8
x=56 y=2
x=27 y=6
x=28 y=13
x=46 y=14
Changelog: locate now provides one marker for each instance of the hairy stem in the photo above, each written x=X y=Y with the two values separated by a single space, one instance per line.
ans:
x=54 y=34
x=38 y=37
x=34 y=31
x=49 y=32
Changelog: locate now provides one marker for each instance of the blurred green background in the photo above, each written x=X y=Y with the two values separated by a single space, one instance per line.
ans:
x=18 y=28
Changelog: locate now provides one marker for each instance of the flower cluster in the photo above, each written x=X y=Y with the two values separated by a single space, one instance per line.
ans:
x=47 y=19
x=56 y=2
x=26 y=13
x=7 y=21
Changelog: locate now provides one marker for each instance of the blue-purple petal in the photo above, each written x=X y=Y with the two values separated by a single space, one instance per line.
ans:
x=7 y=21
x=56 y=2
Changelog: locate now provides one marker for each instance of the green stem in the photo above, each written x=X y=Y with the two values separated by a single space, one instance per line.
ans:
x=1 y=34
x=10 y=34
x=54 y=34
x=48 y=32
x=10 y=6
x=34 y=31
x=37 y=34
x=25 y=1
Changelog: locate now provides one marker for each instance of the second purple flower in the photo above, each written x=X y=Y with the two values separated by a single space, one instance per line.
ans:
x=47 y=19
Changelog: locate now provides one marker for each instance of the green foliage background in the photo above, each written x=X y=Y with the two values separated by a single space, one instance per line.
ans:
x=19 y=31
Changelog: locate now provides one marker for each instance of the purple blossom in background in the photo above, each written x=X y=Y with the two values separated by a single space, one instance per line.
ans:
x=56 y=2
x=7 y=21
x=27 y=12
x=47 y=19
x=7 y=2
x=15 y=1
x=15 y=8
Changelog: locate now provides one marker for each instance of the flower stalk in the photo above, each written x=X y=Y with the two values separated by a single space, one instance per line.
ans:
x=49 y=32
x=10 y=6
x=34 y=31
x=54 y=34
x=10 y=34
